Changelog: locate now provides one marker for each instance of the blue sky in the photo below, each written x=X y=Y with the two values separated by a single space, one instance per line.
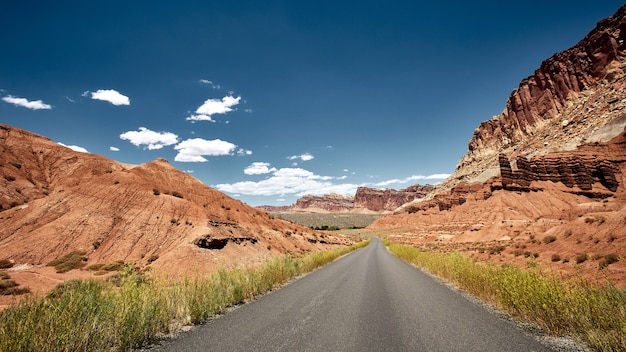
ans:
x=270 y=100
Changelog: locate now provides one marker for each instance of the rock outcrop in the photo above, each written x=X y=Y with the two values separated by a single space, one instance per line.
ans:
x=388 y=199
x=365 y=199
x=593 y=170
x=565 y=102
x=332 y=202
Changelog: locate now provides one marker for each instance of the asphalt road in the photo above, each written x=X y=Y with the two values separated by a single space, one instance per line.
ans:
x=366 y=301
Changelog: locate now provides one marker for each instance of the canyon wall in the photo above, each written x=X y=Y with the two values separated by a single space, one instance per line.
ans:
x=565 y=102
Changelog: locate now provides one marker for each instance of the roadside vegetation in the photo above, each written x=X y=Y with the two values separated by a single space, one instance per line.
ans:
x=135 y=309
x=594 y=312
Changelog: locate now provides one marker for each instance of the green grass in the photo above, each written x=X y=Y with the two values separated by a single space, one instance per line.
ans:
x=70 y=261
x=95 y=315
x=593 y=312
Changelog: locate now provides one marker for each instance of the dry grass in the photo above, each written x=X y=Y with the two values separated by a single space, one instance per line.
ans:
x=93 y=315
x=593 y=312
x=70 y=261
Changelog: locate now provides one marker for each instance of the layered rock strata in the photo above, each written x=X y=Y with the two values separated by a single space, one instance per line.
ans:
x=567 y=101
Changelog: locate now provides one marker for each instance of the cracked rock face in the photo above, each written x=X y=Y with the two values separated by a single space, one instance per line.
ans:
x=575 y=96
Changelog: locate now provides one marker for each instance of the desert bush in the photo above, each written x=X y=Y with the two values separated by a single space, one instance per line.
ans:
x=9 y=178
x=177 y=194
x=70 y=261
x=608 y=260
x=556 y=257
x=581 y=258
x=155 y=192
x=16 y=164
x=5 y=264
x=549 y=239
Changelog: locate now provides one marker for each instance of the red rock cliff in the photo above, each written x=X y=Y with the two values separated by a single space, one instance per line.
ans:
x=572 y=95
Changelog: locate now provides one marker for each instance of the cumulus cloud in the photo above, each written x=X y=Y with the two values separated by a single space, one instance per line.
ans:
x=259 y=168
x=114 y=149
x=413 y=178
x=303 y=157
x=292 y=181
x=214 y=106
x=194 y=149
x=151 y=139
x=23 y=102
x=112 y=96
x=75 y=148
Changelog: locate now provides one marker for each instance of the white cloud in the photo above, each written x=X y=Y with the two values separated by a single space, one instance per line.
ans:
x=259 y=168
x=75 y=148
x=200 y=117
x=294 y=181
x=213 y=85
x=194 y=149
x=242 y=152
x=112 y=96
x=413 y=178
x=214 y=106
x=114 y=149
x=153 y=140
x=303 y=157
x=33 y=105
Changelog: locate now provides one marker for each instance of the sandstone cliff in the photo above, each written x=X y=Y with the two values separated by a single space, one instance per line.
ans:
x=576 y=96
x=543 y=182
x=365 y=200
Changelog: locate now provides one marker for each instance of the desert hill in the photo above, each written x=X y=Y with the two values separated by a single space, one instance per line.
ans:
x=55 y=201
x=543 y=182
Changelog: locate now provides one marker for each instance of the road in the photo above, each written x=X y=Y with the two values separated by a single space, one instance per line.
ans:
x=368 y=300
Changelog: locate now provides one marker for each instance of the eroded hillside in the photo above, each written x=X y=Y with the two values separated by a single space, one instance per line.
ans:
x=56 y=201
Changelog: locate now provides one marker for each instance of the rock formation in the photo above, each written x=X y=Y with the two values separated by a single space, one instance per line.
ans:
x=365 y=199
x=567 y=101
x=388 y=199
x=54 y=200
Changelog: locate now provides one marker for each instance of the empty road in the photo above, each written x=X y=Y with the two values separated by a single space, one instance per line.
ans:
x=368 y=300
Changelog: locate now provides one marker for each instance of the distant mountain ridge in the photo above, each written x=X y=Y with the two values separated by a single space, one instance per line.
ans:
x=365 y=200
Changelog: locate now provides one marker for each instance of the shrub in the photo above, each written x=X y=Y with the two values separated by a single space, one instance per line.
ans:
x=608 y=260
x=589 y=220
x=5 y=264
x=549 y=239
x=556 y=257
x=16 y=164
x=156 y=192
x=9 y=178
x=70 y=261
x=152 y=258
x=177 y=194
x=581 y=258
x=496 y=249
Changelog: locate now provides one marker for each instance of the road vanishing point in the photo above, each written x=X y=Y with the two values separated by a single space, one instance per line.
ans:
x=368 y=300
